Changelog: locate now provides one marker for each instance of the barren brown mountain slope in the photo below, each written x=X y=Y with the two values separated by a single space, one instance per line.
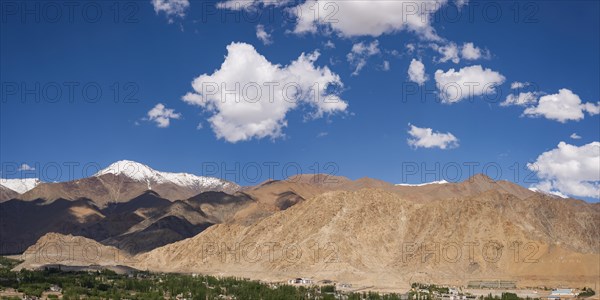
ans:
x=68 y=250
x=377 y=238
x=219 y=206
x=22 y=223
x=103 y=189
x=273 y=196
x=110 y=188
x=140 y=224
x=476 y=184
x=7 y=194
x=177 y=221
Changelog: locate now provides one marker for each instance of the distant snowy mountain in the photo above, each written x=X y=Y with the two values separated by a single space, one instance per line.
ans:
x=20 y=185
x=143 y=173
x=422 y=184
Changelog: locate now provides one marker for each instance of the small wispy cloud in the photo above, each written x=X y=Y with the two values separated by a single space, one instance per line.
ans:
x=162 y=116
x=264 y=36
x=427 y=138
x=26 y=167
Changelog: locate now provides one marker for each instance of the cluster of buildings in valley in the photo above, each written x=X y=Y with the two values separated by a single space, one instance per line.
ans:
x=474 y=290
x=308 y=282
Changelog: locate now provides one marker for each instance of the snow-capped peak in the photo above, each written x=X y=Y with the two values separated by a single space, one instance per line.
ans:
x=423 y=184
x=20 y=185
x=141 y=172
x=131 y=169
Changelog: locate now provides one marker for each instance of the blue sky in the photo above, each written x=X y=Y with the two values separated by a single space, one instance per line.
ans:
x=152 y=57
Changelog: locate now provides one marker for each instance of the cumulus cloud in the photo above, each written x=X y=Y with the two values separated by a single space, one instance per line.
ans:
x=355 y=18
x=452 y=52
x=470 y=52
x=518 y=85
x=171 y=8
x=575 y=136
x=360 y=53
x=367 y=18
x=416 y=72
x=162 y=116
x=591 y=108
x=454 y=86
x=250 y=97
x=562 y=107
x=426 y=138
x=263 y=36
x=449 y=52
x=570 y=170
x=26 y=167
x=522 y=99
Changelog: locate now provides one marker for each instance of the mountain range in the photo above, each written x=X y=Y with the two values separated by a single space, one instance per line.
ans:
x=366 y=231
x=122 y=181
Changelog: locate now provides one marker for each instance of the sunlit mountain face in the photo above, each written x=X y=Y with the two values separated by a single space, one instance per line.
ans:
x=251 y=149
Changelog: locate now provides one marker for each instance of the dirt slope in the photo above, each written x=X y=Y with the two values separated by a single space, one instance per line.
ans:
x=373 y=237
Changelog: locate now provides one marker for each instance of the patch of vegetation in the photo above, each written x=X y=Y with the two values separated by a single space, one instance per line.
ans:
x=587 y=292
x=107 y=284
x=505 y=296
x=8 y=263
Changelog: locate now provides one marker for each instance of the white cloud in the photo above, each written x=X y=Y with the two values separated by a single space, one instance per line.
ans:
x=263 y=36
x=570 y=170
x=575 y=136
x=426 y=138
x=448 y=52
x=518 y=85
x=250 y=4
x=360 y=53
x=416 y=72
x=461 y=3
x=355 y=18
x=386 y=65
x=591 y=108
x=452 y=52
x=250 y=97
x=470 y=52
x=171 y=8
x=26 y=167
x=410 y=48
x=522 y=99
x=367 y=18
x=467 y=82
x=322 y=134
x=162 y=115
x=562 y=107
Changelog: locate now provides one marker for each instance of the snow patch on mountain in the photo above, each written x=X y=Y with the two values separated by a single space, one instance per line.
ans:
x=141 y=172
x=20 y=185
x=423 y=184
x=551 y=193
